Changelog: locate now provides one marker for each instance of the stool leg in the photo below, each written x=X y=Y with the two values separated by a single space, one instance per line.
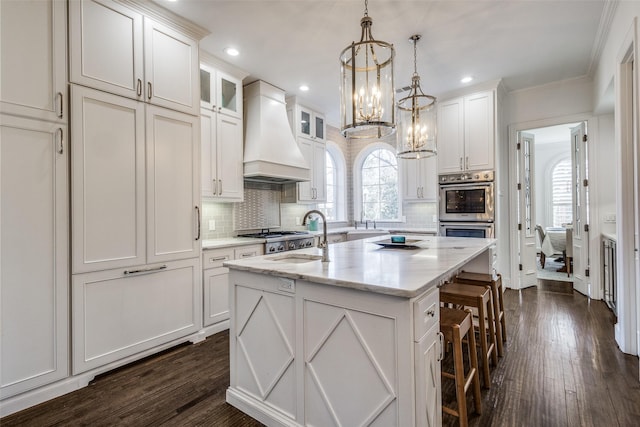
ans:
x=496 y=317
x=492 y=333
x=483 y=343
x=458 y=366
x=473 y=361
x=503 y=321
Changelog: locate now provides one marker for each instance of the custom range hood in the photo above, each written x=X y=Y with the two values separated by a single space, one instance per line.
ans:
x=271 y=154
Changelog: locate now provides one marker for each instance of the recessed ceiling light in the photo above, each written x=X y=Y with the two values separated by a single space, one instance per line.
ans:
x=304 y=88
x=466 y=79
x=231 y=51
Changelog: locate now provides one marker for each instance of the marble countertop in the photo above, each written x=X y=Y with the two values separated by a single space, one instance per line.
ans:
x=229 y=242
x=392 y=230
x=364 y=265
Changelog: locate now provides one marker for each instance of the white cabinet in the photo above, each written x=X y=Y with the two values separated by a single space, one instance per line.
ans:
x=314 y=153
x=222 y=167
x=108 y=181
x=118 y=313
x=337 y=238
x=118 y=50
x=33 y=37
x=34 y=240
x=220 y=92
x=428 y=380
x=420 y=179
x=216 y=280
x=304 y=121
x=466 y=137
x=126 y=212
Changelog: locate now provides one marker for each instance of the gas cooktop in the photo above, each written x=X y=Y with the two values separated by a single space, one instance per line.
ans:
x=273 y=234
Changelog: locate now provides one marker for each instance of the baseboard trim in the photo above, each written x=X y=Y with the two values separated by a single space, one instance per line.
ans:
x=258 y=410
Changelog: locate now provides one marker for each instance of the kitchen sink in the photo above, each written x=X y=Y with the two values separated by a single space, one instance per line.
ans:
x=365 y=234
x=296 y=258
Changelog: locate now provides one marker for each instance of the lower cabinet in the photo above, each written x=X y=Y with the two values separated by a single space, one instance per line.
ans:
x=34 y=241
x=428 y=379
x=215 y=280
x=118 y=313
x=337 y=238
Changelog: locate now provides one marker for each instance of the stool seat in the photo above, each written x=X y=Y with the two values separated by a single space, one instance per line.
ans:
x=455 y=325
x=478 y=297
x=495 y=283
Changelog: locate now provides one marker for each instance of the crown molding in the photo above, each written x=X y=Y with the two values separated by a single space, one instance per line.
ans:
x=606 y=19
x=167 y=17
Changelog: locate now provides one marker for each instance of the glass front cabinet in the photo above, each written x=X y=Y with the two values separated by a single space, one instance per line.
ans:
x=220 y=92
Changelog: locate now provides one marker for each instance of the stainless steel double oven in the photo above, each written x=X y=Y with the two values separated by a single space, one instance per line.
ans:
x=467 y=204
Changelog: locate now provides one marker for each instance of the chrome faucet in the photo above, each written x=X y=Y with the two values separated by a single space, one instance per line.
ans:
x=322 y=245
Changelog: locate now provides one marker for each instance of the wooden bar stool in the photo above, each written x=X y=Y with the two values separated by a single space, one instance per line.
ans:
x=484 y=279
x=454 y=325
x=478 y=297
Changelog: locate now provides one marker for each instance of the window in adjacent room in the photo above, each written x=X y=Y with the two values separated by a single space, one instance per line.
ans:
x=334 y=207
x=561 y=193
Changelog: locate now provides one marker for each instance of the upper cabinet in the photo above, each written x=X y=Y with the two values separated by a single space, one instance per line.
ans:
x=118 y=50
x=420 y=179
x=220 y=92
x=33 y=37
x=466 y=136
x=305 y=122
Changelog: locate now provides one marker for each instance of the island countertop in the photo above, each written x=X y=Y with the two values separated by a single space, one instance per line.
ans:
x=365 y=265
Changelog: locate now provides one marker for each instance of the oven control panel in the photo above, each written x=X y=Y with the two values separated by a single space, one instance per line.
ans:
x=455 y=178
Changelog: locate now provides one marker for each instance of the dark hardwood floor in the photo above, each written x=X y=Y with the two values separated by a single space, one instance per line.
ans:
x=561 y=368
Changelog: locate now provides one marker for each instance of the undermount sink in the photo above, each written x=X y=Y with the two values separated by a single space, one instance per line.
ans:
x=296 y=258
x=364 y=234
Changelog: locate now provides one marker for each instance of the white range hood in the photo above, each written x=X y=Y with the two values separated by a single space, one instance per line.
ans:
x=271 y=153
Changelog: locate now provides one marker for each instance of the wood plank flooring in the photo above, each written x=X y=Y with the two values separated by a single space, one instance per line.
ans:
x=561 y=368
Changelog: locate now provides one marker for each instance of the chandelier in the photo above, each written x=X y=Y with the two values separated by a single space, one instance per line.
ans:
x=367 y=96
x=416 y=119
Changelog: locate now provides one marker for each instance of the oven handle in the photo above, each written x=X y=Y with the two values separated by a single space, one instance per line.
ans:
x=468 y=185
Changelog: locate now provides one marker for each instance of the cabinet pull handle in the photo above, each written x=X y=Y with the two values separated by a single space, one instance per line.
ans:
x=149 y=91
x=248 y=254
x=460 y=163
x=215 y=187
x=467 y=162
x=60 y=141
x=430 y=313
x=139 y=88
x=441 y=342
x=60 y=104
x=198 y=214
x=218 y=258
x=145 y=270
x=220 y=187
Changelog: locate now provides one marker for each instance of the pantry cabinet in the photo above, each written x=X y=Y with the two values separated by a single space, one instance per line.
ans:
x=119 y=50
x=466 y=136
x=420 y=179
x=33 y=37
x=121 y=312
x=314 y=153
x=34 y=242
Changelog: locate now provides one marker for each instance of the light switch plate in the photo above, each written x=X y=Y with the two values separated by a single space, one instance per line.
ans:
x=212 y=225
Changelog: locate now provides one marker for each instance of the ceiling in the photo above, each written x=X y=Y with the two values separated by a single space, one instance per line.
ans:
x=292 y=42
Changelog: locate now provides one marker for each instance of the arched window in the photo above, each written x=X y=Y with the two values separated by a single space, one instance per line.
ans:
x=334 y=207
x=561 y=193
x=377 y=194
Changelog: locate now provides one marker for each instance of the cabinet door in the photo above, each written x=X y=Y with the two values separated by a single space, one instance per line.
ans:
x=318 y=127
x=208 y=172
x=207 y=87
x=411 y=178
x=108 y=182
x=33 y=37
x=305 y=189
x=304 y=122
x=228 y=95
x=319 y=171
x=171 y=68
x=428 y=387
x=105 y=40
x=216 y=295
x=429 y=179
x=120 y=313
x=451 y=136
x=173 y=185
x=34 y=230
x=229 y=149
x=479 y=131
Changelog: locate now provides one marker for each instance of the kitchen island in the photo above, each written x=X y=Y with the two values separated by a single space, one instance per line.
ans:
x=354 y=341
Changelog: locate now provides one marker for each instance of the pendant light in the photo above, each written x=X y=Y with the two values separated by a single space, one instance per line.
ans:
x=367 y=96
x=416 y=119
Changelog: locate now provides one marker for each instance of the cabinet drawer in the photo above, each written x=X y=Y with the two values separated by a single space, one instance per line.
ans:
x=426 y=313
x=249 y=251
x=215 y=257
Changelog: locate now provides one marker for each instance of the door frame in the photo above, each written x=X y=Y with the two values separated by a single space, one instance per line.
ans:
x=627 y=330
x=594 y=228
